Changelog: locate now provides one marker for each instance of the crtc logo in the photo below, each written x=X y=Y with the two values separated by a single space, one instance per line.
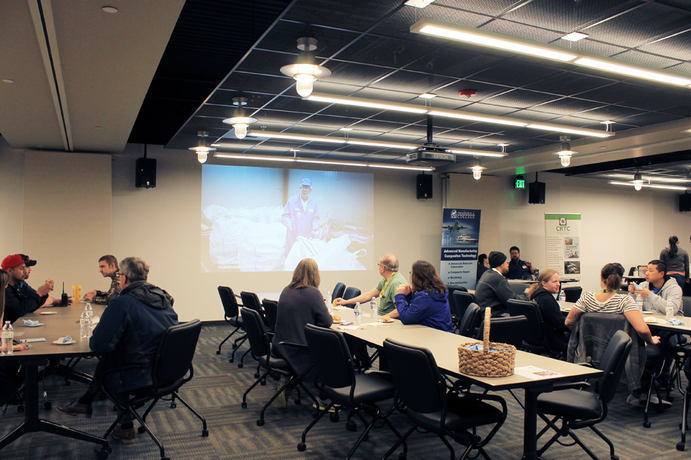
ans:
x=563 y=225
x=562 y=221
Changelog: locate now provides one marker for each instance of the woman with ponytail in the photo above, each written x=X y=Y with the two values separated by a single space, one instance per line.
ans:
x=677 y=261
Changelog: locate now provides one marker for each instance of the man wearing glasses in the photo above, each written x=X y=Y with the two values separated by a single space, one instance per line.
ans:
x=108 y=266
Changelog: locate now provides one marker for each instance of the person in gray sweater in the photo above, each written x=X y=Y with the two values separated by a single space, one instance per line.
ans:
x=492 y=289
x=658 y=291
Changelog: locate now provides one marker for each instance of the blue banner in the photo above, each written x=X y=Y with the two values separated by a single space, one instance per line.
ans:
x=460 y=235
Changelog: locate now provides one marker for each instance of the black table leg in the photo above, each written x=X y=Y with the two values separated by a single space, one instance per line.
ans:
x=530 y=421
x=32 y=423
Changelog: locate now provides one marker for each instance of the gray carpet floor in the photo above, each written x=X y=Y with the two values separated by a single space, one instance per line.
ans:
x=216 y=392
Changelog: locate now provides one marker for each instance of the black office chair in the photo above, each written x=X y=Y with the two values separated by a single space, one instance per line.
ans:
x=172 y=368
x=519 y=288
x=681 y=352
x=270 y=313
x=260 y=347
x=572 y=293
x=534 y=333
x=251 y=300
x=577 y=408
x=470 y=321
x=338 y=381
x=338 y=291
x=231 y=313
x=350 y=293
x=507 y=329
x=422 y=395
x=632 y=270
x=461 y=300
x=453 y=287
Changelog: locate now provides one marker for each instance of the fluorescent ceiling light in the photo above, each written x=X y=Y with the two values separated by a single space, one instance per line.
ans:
x=631 y=71
x=360 y=102
x=457 y=114
x=333 y=140
x=668 y=180
x=476 y=153
x=665 y=187
x=419 y=3
x=496 y=41
x=569 y=130
x=322 y=162
x=574 y=36
x=427 y=96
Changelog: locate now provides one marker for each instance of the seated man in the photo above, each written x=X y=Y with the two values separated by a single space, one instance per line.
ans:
x=20 y=298
x=492 y=289
x=518 y=269
x=658 y=291
x=108 y=266
x=385 y=290
x=50 y=300
x=128 y=334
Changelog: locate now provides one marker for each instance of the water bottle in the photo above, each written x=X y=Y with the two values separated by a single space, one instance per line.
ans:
x=84 y=326
x=561 y=297
x=669 y=312
x=357 y=312
x=7 y=338
x=373 y=307
x=89 y=311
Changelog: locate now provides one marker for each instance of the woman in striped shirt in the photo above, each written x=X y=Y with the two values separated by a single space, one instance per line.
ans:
x=610 y=301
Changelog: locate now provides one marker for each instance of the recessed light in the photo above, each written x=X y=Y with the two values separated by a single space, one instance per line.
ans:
x=9 y=81
x=574 y=36
x=427 y=96
x=109 y=9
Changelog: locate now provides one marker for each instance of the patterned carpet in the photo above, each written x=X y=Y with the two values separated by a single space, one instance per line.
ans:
x=216 y=392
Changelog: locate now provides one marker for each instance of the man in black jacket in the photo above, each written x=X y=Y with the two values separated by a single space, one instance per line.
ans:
x=492 y=289
x=20 y=298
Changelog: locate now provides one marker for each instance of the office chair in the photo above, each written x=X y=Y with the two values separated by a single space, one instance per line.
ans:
x=350 y=293
x=461 y=300
x=507 y=329
x=577 y=408
x=172 y=368
x=572 y=293
x=534 y=333
x=231 y=314
x=338 y=381
x=250 y=300
x=270 y=313
x=338 y=291
x=422 y=395
x=470 y=321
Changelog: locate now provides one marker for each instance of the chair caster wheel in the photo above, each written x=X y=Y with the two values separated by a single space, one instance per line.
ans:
x=47 y=405
x=646 y=424
x=240 y=365
x=263 y=382
x=681 y=446
x=218 y=352
x=351 y=426
x=334 y=417
x=141 y=430
x=20 y=408
x=244 y=405
x=205 y=433
x=302 y=447
x=173 y=405
x=103 y=453
x=402 y=456
x=231 y=360
x=614 y=457
x=260 y=422
x=298 y=402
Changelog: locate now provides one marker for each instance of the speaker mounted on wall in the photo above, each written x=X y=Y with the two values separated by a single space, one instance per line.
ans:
x=145 y=172
x=424 y=186
x=536 y=192
x=685 y=202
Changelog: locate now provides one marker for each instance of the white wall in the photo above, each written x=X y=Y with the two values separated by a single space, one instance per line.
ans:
x=619 y=224
x=11 y=199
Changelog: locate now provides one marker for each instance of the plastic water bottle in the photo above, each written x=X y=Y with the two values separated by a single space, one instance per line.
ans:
x=373 y=308
x=561 y=296
x=669 y=312
x=7 y=338
x=84 y=326
x=358 y=314
x=89 y=312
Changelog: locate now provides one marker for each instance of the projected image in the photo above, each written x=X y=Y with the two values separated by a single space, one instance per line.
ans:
x=268 y=219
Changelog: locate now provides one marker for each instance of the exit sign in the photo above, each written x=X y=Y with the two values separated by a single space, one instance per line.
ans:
x=519 y=182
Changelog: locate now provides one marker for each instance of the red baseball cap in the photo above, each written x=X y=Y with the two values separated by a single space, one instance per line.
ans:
x=12 y=261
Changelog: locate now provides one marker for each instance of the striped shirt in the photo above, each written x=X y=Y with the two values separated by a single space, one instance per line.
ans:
x=618 y=303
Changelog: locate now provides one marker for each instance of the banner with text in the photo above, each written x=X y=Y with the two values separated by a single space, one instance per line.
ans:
x=563 y=244
x=460 y=234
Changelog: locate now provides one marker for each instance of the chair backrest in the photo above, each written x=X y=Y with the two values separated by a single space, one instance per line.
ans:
x=175 y=351
x=338 y=291
x=331 y=356
x=470 y=321
x=686 y=305
x=631 y=271
x=250 y=300
x=519 y=288
x=419 y=385
x=572 y=293
x=461 y=300
x=253 y=325
x=534 y=333
x=230 y=303
x=351 y=292
x=507 y=329
x=270 y=313
x=613 y=363
x=453 y=287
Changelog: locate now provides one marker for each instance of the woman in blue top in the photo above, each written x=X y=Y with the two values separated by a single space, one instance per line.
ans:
x=425 y=301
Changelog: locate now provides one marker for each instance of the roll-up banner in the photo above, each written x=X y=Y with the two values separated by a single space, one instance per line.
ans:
x=563 y=244
x=460 y=235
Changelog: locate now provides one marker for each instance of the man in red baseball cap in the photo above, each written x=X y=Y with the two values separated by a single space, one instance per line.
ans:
x=20 y=298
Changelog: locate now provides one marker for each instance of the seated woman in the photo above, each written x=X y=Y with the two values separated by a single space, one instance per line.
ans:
x=542 y=292
x=300 y=303
x=426 y=302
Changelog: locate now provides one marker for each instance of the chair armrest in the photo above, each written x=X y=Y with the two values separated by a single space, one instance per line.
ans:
x=571 y=386
x=379 y=373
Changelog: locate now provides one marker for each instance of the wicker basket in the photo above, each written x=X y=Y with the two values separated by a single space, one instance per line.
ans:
x=493 y=360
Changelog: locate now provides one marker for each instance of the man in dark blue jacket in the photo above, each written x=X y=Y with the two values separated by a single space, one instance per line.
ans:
x=128 y=335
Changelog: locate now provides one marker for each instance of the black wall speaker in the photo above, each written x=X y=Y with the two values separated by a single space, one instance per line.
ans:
x=424 y=186
x=685 y=202
x=145 y=175
x=536 y=192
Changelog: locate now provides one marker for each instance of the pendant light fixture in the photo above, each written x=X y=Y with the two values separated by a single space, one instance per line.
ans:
x=202 y=148
x=305 y=71
x=239 y=121
x=477 y=171
x=637 y=181
x=565 y=153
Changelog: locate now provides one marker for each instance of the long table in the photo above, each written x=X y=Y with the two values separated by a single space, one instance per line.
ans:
x=444 y=347
x=64 y=322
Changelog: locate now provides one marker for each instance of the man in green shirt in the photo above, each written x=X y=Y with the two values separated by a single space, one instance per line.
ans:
x=385 y=290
